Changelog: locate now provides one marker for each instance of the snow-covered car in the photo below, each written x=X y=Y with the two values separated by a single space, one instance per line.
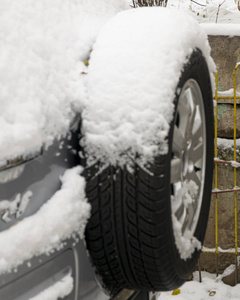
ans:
x=116 y=156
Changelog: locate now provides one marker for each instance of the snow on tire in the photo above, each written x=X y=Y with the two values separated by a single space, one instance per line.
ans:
x=148 y=222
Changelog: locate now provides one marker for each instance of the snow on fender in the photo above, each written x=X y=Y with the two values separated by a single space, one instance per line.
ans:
x=148 y=138
x=142 y=51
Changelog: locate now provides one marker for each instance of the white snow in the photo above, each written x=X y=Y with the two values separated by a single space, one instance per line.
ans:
x=235 y=164
x=227 y=143
x=42 y=48
x=210 y=288
x=59 y=290
x=63 y=216
x=231 y=250
x=228 y=93
x=19 y=204
x=209 y=11
x=228 y=271
x=133 y=73
x=186 y=243
x=42 y=86
x=222 y=29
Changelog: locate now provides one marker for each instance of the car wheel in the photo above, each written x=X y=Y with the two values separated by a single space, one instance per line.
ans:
x=147 y=226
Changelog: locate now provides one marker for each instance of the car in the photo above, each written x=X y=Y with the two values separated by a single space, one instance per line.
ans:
x=106 y=151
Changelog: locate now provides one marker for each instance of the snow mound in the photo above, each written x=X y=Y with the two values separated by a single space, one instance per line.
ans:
x=63 y=216
x=133 y=73
x=42 y=49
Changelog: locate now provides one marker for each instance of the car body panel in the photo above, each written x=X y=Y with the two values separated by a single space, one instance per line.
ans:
x=24 y=189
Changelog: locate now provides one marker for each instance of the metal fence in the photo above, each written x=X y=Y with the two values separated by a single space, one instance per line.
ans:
x=234 y=189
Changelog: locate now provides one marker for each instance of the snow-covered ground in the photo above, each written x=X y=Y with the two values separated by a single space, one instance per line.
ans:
x=210 y=288
x=209 y=11
x=218 y=17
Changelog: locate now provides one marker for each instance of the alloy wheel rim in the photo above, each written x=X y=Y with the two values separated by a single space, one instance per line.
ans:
x=188 y=157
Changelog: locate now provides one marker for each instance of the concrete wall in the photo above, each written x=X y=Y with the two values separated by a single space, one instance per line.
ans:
x=226 y=53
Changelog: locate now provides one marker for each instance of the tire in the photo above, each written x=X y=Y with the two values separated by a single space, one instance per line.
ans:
x=130 y=235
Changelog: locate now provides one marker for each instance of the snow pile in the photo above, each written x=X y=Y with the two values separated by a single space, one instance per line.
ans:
x=58 y=291
x=63 y=216
x=42 y=46
x=133 y=73
x=210 y=288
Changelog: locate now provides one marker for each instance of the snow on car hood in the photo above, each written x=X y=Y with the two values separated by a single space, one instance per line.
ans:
x=42 y=48
x=133 y=73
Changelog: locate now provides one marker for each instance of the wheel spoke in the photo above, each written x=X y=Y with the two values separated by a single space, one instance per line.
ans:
x=178 y=140
x=185 y=112
x=193 y=176
x=197 y=134
x=191 y=112
x=189 y=217
x=176 y=170
x=177 y=200
x=197 y=153
x=191 y=122
x=180 y=212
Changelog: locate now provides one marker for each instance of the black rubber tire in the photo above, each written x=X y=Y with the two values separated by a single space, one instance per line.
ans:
x=129 y=235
